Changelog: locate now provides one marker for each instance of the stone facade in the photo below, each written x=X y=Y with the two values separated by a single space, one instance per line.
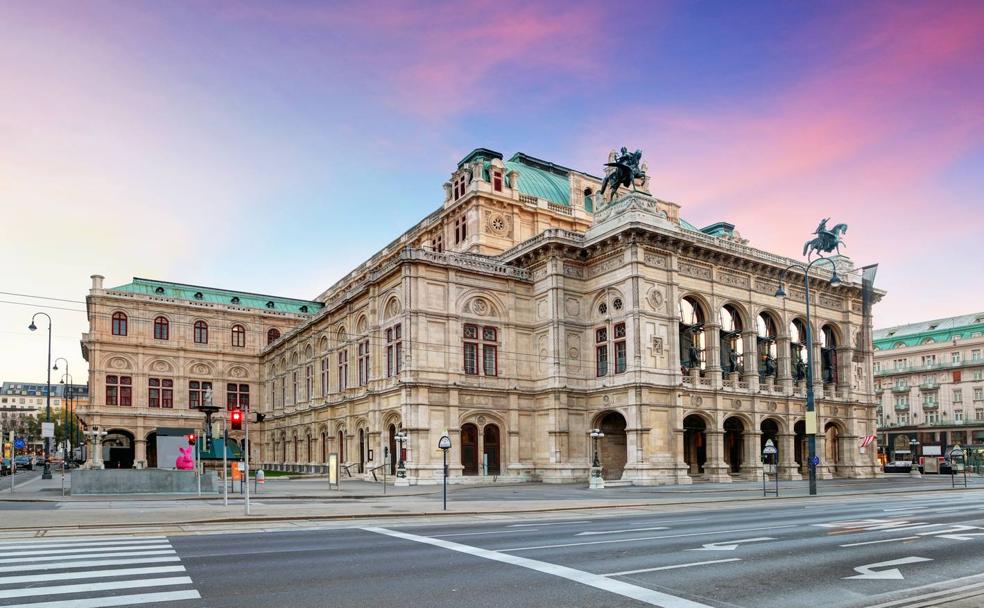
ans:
x=929 y=380
x=527 y=311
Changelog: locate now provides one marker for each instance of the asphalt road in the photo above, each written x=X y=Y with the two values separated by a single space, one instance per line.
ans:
x=886 y=552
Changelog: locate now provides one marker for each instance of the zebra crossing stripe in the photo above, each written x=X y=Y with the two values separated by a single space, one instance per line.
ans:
x=62 y=576
x=90 y=587
x=67 y=564
x=116 y=600
x=157 y=545
x=41 y=542
x=91 y=563
x=94 y=543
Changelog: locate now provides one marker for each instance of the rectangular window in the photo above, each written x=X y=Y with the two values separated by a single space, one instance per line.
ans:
x=956 y=376
x=877 y=366
x=394 y=350
x=620 y=358
x=958 y=415
x=324 y=377
x=119 y=390
x=237 y=396
x=364 y=363
x=293 y=385
x=978 y=394
x=958 y=396
x=196 y=392
x=308 y=382
x=975 y=355
x=979 y=414
x=439 y=242
x=977 y=374
x=283 y=390
x=160 y=392
x=342 y=370
x=601 y=352
x=484 y=344
x=497 y=181
x=954 y=357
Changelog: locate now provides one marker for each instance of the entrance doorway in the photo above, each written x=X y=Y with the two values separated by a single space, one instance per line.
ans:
x=393 y=456
x=152 y=450
x=469 y=449
x=801 y=451
x=362 y=450
x=614 y=451
x=118 y=449
x=694 y=443
x=490 y=448
x=734 y=435
x=770 y=430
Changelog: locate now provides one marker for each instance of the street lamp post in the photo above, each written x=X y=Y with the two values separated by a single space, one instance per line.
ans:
x=401 y=467
x=810 y=404
x=68 y=387
x=47 y=440
x=597 y=481
x=914 y=468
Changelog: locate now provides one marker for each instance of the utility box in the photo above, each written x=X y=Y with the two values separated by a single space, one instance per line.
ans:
x=931 y=464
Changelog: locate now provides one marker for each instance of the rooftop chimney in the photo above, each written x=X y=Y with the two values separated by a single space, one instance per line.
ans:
x=97 y=281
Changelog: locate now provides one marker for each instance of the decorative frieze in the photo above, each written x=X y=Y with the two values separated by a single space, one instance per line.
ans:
x=655 y=258
x=830 y=301
x=735 y=279
x=605 y=265
x=574 y=271
x=692 y=268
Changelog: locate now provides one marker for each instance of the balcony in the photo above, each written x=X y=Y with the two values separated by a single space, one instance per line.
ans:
x=931 y=385
x=930 y=405
x=901 y=389
x=901 y=407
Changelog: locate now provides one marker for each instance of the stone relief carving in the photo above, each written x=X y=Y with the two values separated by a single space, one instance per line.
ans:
x=119 y=363
x=480 y=307
x=655 y=299
x=651 y=258
x=605 y=266
x=657 y=345
x=200 y=369
x=734 y=279
x=570 y=270
x=572 y=307
x=162 y=366
x=497 y=223
x=831 y=301
x=694 y=269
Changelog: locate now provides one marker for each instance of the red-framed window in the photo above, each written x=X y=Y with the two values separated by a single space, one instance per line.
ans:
x=201 y=332
x=620 y=350
x=162 y=329
x=160 y=392
x=196 y=392
x=119 y=390
x=238 y=336
x=481 y=350
x=119 y=324
x=364 y=363
x=460 y=229
x=394 y=350
x=237 y=396
x=497 y=181
x=273 y=335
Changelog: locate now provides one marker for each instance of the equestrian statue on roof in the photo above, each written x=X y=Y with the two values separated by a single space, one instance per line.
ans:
x=624 y=171
x=827 y=240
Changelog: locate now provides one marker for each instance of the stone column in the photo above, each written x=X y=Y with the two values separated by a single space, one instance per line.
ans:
x=751 y=376
x=715 y=469
x=139 y=453
x=97 y=455
x=824 y=469
x=788 y=469
x=818 y=388
x=784 y=364
x=712 y=353
x=751 y=466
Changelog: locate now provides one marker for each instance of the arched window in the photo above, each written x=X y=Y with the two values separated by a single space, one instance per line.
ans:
x=732 y=348
x=119 y=324
x=797 y=349
x=766 y=341
x=238 y=335
x=273 y=335
x=691 y=335
x=162 y=329
x=201 y=332
x=828 y=355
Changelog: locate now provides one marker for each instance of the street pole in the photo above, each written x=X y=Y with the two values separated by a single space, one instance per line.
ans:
x=198 y=464
x=225 y=464
x=246 y=458
x=47 y=440
x=445 y=444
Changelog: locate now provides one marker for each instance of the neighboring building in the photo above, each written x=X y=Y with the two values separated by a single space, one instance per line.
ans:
x=519 y=315
x=929 y=377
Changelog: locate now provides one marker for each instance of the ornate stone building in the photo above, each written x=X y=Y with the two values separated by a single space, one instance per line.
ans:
x=929 y=379
x=522 y=313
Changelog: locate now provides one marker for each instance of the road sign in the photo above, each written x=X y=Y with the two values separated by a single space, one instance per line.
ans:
x=19 y=443
x=815 y=461
x=444 y=442
x=770 y=448
x=47 y=429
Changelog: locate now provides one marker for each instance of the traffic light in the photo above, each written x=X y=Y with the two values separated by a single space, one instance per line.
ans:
x=236 y=420
x=260 y=417
x=192 y=439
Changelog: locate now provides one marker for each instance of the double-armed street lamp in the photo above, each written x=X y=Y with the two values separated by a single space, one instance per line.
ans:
x=47 y=440
x=810 y=404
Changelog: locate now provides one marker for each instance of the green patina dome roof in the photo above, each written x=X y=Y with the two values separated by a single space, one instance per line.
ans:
x=195 y=293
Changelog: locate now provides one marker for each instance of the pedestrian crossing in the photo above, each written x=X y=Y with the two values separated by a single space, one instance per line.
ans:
x=93 y=572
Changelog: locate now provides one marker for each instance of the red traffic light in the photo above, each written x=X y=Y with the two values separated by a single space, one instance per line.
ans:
x=192 y=439
x=236 y=420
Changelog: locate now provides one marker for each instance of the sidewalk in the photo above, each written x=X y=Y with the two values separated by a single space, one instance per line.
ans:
x=39 y=505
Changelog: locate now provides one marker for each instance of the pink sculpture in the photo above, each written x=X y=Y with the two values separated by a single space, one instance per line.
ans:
x=185 y=462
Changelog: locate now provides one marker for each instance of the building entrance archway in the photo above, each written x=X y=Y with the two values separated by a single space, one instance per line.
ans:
x=469 y=449
x=800 y=449
x=832 y=447
x=490 y=449
x=118 y=449
x=770 y=430
x=694 y=443
x=734 y=436
x=152 y=450
x=614 y=451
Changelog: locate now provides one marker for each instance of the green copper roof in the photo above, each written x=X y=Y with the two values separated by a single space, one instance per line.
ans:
x=541 y=179
x=180 y=291
x=937 y=330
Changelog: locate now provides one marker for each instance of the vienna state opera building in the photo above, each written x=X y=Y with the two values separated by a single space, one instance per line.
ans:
x=524 y=312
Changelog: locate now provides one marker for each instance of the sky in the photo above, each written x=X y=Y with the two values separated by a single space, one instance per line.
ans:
x=273 y=146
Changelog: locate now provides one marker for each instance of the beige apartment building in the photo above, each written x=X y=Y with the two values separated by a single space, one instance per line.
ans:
x=929 y=378
x=518 y=316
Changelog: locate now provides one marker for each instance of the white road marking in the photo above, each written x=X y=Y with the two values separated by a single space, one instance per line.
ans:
x=91 y=563
x=648 y=596
x=116 y=600
x=67 y=564
x=884 y=540
x=730 y=545
x=60 y=576
x=867 y=572
x=480 y=533
x=673 y=567
x=640 y=538
x=89 y=587
x=64 y=547
x=157 y=545
x=556 y=523
x=931 y=595
x=70 y=539
x=957 y=532
x=591 y=533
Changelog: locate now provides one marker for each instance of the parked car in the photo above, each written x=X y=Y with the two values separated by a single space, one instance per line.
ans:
x=898 y=466
x=24 y=462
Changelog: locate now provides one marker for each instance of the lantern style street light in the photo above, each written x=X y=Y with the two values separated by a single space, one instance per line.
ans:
x=596 y=482
x=401 y=440
x=47 y=418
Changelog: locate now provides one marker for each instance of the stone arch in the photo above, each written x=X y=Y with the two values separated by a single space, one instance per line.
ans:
x=480 y=303
x=736 y=429
x=200 y=368
x=733 y=321
x=744 y=315
x=489 y=447
x=771 y=427
x=119 y=448
x=392 y=308
x=833 y=448
x=362 y=325
x=160 y=366
x=605 y=300
x=341 y=336
x=613 y=446
x=694 y=313
x=695 y=425
x=308 y=352
x=117 y=362
x=293 y=359
x=323 y=343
